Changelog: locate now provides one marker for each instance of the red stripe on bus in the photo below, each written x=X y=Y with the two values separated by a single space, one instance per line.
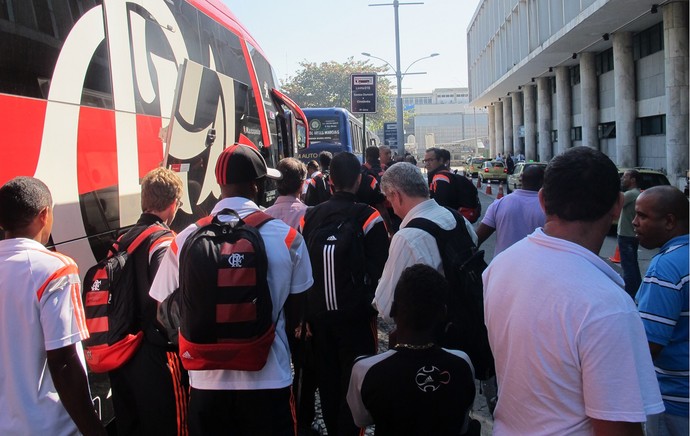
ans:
x=21 y=124
x=240 y=312
x=96 y=150
x=149 y=144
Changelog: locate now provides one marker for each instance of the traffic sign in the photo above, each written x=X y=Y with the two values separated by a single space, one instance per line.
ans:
x=390 y=135
x=363 y=93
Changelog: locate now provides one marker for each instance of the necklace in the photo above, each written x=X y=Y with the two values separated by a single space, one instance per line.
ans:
x=415 y=346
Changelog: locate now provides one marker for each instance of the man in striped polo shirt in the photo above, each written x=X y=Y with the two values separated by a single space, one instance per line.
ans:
x=661 y=221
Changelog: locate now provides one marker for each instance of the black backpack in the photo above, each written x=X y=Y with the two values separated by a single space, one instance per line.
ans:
x=338 y=259
x=110 y=302
x=226 y=310
x=463 y=266
x=466 y=196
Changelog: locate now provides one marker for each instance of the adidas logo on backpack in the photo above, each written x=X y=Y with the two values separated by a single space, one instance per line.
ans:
x=226 y=308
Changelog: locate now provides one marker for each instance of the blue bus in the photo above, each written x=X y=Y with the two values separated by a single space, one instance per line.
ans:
x=335 y=130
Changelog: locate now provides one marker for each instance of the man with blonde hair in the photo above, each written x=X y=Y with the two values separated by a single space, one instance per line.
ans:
x=150 y=390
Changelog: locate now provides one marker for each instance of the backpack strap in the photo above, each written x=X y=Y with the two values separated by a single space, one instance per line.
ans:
x=132 y=245
x=150 y=230
x=257 y=219
x=441 y=235
x=431 y=228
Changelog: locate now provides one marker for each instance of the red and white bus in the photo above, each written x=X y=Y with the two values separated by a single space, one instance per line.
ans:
x=95 y=93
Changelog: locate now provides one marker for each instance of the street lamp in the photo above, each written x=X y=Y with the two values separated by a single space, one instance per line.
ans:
x=398 y=74
x=398 y=99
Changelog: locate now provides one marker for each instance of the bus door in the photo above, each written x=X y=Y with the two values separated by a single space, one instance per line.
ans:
x=210 y=112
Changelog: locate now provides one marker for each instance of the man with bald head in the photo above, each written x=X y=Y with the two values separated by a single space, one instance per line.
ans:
x=661 y=221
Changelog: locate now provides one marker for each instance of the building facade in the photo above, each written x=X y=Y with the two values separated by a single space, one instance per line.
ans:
x=608 y=74
x=444 y=118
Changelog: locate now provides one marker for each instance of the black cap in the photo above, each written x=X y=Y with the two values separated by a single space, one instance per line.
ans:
x=241 y=164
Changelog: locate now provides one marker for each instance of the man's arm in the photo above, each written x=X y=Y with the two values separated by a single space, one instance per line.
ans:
x=442 y=190
x=400 y=257
x=73 y=387
x=376 y=245
x=655 y=349
x=483 y=233
x=616 y=428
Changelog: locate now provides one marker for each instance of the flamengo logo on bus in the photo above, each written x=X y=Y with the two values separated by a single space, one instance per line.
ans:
x=363 y=93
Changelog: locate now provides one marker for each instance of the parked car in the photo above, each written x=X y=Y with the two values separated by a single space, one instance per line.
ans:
x=493 y=170
x=648 y=177
x=515 y=179
x=475 y=165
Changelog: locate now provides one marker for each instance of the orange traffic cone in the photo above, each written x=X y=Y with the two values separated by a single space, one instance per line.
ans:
x=488 y=189
x=616 y=258
x=479 y=182
x=500 y=191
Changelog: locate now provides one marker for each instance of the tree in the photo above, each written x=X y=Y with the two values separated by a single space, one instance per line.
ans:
x=328 y=85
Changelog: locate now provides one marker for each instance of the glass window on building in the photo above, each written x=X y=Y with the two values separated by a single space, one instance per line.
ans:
x=576 y=133
x=654 y=125
x=604 y=61
x=574 y=75
x=649 y=41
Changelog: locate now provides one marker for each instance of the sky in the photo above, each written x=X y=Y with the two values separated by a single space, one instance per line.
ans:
x=292 y=31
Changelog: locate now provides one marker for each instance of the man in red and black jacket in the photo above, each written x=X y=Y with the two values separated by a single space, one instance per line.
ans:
x=348 y=248
x=448 y=188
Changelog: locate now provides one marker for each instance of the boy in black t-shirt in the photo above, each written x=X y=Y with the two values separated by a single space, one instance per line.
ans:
x=417 y=387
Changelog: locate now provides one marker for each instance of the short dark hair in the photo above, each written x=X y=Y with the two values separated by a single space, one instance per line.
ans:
x=344 y=170
x=372 y=153
x=580 y=184
x=445 y=155
x=325 y=158
x=533 y=177
x=21 y=200
x=420 y=297
x=438 y=154
x=312 y=165
x=294 y=172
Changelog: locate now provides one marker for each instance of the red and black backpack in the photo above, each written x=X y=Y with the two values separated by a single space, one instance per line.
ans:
x=225 y=303
x=110 y=302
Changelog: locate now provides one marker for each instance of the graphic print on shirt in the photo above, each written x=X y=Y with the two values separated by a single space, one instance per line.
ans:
x=429 y=379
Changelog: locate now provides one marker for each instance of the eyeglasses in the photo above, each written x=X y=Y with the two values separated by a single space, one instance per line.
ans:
x=429 y=160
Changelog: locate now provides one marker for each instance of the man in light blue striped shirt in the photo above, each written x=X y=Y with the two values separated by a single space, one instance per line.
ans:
x=661 y=220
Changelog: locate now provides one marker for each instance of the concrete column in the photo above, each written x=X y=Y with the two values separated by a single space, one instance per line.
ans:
x=492 y=131
x=530 y=122
x=676 y=78
x=507 y=126
x=589 y=92
x=518 y=120
x=564 y=105
x=544 y=119
x=626 y=109
x=498 y=122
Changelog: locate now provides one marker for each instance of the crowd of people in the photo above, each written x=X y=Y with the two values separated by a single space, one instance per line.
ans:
x=573 y=352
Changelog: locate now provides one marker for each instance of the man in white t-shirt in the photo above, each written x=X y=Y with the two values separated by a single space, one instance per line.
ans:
x=43 y=384
x=247 y=402
x=570 y=349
